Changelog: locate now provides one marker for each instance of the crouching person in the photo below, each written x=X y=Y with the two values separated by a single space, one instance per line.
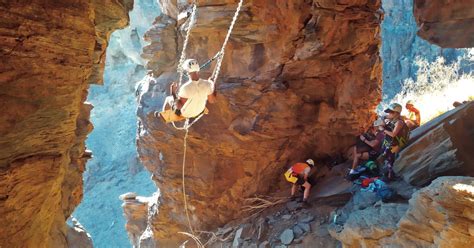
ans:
x=298 y=175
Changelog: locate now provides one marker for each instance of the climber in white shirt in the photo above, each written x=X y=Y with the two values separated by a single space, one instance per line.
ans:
x=190 y=100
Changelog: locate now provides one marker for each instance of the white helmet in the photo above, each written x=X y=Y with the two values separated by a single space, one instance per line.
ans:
x=191 y=65
x=310 y=162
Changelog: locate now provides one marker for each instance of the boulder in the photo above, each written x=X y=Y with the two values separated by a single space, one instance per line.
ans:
x=440 y=215
x=135 y=210
x=287 y=236
x=77 y=236
x=445 y=148
x=365 y=227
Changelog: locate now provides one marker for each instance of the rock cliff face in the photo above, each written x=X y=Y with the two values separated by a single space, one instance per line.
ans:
x=51 y=51
x=401 y=47
x=300 y=79
x=446 y=23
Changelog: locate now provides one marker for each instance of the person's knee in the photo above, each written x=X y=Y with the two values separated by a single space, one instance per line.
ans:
x=307 y=185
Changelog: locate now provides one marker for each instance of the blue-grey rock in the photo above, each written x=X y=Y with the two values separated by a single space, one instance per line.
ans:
x=264 y=244
x=297 y=231
x=292 y=205
x=237 y=239
x=304 y=226
x=286 y=217
x=305 y=218
x=287 y=236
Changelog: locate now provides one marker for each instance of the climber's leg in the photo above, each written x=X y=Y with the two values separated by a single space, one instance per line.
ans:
x=307 y=189
x=169 y=114
x=293 y=190
x=169 y=101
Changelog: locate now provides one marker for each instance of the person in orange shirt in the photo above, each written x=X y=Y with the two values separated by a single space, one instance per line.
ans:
x=298 y=174
x=413 y=120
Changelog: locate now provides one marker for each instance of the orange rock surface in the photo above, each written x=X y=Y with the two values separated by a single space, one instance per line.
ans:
x=299 y=79
x=446 y=23
x=50 y=52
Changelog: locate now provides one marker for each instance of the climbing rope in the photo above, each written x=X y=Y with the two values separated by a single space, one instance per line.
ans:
x=187 y=124
x=184 y=185
x=185 y=44
x=219 y=56
x=215 y=74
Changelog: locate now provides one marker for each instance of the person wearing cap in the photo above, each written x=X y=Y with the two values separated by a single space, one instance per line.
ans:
x=413 y=120
x=396 y=135
x=300 y=173
x=373 y=145
x=190 y=100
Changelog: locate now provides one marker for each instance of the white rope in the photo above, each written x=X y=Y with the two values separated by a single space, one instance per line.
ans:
x=215 y=74
x=185 y=45
x=184 y=185
x=187 y=125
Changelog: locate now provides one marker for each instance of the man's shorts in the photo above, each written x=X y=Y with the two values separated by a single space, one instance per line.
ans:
x=300 y=181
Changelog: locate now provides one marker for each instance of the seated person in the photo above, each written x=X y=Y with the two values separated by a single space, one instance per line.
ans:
x=368 y=145
x=190 y=100
x=413 y=119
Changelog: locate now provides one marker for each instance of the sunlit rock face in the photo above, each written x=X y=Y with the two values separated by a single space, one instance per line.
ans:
x=50 y=51
x=115 y=168
x=439 y=215
x=446 y=23
x=401 y=46
x=300 y=79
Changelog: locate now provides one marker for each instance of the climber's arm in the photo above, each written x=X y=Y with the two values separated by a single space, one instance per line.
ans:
x=396 y=130
x=212 y=98
x=180 y=103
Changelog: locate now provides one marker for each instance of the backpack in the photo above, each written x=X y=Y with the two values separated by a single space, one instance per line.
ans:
x=290 y=176
x=383 y=191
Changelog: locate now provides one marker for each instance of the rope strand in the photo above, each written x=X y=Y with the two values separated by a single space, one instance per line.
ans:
x=185 y=45
x=184 y=185
x=215 y=74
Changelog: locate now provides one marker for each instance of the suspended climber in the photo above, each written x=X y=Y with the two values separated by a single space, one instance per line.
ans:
x=190 y=100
